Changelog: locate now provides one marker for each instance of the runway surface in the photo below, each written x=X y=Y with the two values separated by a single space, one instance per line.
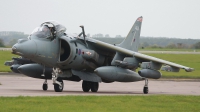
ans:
x=19 y=85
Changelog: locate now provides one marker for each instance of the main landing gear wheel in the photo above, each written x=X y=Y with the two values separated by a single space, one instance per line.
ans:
x=45 y=85
x=94 y=86
x=87 y=85
x=146 y=89
x=57 y=87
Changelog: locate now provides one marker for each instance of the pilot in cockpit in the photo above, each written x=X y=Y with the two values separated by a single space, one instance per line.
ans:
x=51 y=29
x=48 y=30
x=45 y=29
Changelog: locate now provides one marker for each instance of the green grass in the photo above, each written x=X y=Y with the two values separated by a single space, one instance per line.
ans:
x=5 y=56
x=149 y=103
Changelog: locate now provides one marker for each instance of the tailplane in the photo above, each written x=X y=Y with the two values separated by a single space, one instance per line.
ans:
x=131 y=42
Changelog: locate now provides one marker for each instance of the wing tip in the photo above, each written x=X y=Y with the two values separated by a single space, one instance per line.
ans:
x=189 y=69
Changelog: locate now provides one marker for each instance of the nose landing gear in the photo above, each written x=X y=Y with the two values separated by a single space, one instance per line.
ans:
x=58 y=87
x=57 y=81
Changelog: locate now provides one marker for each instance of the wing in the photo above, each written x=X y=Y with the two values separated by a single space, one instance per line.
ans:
x=137 y=55
x=129 y=47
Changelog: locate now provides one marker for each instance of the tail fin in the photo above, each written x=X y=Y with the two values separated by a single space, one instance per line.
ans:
x=131 y=42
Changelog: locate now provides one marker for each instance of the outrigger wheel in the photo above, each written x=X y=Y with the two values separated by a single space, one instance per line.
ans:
x=146 y=89
x=45 y=85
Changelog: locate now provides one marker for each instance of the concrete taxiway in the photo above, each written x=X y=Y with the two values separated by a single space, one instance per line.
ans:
x=20 y=85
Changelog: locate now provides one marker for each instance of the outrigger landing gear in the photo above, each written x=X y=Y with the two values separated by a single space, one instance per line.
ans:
x=45 y=85
x=57 y=81
x=146 y=89
x=87 y=85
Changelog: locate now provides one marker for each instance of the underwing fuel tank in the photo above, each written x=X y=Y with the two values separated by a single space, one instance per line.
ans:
x=148 y=73
x=35 y=71
x=119 y=74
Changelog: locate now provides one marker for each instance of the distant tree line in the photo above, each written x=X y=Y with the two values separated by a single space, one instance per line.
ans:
x=10 y=38
x=160 y=42
x=1 y=43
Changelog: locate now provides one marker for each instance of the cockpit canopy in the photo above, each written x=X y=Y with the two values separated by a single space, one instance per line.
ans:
x=49 y=30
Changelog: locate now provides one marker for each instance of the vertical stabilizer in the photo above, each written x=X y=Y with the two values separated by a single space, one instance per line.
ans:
x=131 y=42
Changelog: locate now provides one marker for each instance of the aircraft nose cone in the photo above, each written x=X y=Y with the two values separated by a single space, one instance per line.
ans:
x=14 y=48
x=26 y=48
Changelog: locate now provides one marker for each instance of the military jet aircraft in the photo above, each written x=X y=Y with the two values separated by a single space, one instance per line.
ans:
x=50 y=53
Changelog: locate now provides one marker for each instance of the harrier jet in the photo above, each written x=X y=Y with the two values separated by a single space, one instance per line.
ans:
x=50 y=53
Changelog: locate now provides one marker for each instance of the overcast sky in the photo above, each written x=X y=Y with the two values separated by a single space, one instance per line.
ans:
x=165 y=18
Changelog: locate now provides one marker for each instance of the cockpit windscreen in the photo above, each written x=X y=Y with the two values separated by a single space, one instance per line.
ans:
x=42 y=32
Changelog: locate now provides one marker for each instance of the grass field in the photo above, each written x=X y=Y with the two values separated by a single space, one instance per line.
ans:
x=5 y=56
x=191 y=60
x=149 y=103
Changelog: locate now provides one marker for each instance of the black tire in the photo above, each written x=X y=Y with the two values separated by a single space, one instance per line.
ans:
x=45 y=87
x=58 y=88
x=145 y=90
x=94 y=86
x=86 y=86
